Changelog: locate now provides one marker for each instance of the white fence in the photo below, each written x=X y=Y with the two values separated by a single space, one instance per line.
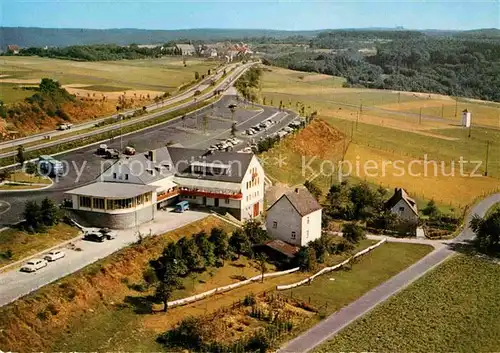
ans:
x=227 y=288
x=329 y=269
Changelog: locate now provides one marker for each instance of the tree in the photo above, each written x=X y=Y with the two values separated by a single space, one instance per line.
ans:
x=261 y=265
x=31 y=168
x=33 y=216
x=233 y=130
x=191 y=254
x=431 y=210
x=20 y=157
x=167 y=285
x=196 y=75
x=313 y=189
x=240 y=243
x=353 y=232
x=255 y=233
x=49 y=212
x=220 y=240
x=306 y=259
x=487 y=232
x=206 y=248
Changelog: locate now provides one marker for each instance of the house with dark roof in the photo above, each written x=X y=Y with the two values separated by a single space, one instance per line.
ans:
x=403 y=205
x=13 y=49
x=295 y=218
x=131 y=190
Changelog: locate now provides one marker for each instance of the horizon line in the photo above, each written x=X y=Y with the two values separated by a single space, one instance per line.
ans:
x=399 y=28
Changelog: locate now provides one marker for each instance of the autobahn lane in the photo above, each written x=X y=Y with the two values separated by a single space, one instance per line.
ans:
x=153 y=106
x=187 y=95
x=83 y=166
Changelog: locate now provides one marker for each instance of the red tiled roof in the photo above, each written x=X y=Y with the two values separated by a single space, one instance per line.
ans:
x=282 y=247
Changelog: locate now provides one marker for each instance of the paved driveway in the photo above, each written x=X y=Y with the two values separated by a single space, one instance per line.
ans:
x=337 y=321
x=14 y=284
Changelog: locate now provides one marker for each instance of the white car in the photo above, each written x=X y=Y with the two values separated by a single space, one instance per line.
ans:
x=287 y=129
x=34 y=265
x=250 y=132
x=234 y=141
x=54 y=255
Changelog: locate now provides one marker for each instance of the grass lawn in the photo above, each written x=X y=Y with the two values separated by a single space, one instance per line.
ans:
x=453 y=308
x=23 y=244
x=495 y=208
x=22 y=177
x=371 y=270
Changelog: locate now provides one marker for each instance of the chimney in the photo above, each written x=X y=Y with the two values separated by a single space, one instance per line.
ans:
x=296 y=190
x=152 y=155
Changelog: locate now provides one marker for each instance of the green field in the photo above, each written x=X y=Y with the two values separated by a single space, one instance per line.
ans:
x=379 y=132
x=371 y=270
x=454 y=308
x=163 y=75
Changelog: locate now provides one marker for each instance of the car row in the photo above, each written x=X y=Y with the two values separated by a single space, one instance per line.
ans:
x=36 y=264
x=259 y=127
x=99 y=235
x=224 y=145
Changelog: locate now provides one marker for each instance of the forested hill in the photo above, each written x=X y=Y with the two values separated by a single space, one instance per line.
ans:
x=465 y=64
x=40 y=37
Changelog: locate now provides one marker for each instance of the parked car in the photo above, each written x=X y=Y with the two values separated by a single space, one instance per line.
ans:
x=250 y=132
x=34 y=265
x=101 y=150
x=54 y=255
x=94 y=236
x=263 y=125
x=129 y=151
x=112 y=153
x=287 y=129
x=256 y=128
x=182 y=206
x=108 y=233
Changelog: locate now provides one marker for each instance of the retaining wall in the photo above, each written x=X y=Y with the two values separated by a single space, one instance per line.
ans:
x=227 y=288
x=332 y=268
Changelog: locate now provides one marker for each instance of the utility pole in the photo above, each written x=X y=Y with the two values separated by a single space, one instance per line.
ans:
x=357 y=119
x=352 y=130
x=456 y=107
x=442 y=111
x=470 y=128
x=121 y=135
x=487 y=155
x=420 y=117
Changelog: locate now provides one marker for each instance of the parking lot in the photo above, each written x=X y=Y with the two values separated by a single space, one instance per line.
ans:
x=208 y=126
x=14 y=283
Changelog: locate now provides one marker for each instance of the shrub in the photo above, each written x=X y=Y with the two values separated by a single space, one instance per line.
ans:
x=249 y=300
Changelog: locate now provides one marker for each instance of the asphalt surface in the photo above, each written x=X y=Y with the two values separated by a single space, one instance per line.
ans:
x=184 y=95
x=83 y=166
x=15 y=284
x=342 y=318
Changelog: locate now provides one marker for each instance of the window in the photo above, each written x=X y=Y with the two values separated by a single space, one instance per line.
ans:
x=109 y=204
x=114 y=175
x=147 y=197
x=307 y=234
x=293 y=235
x=98 y=203
x=275 y=224
x=126 y=176
x=227 y=201
x=139 y=200
x=307 y=220
x=401 y=209
x=84 y=201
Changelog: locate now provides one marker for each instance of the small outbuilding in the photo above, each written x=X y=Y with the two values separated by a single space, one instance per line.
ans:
x=403 y=205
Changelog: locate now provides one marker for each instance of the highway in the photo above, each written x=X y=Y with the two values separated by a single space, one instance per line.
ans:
x=231 y=77
x=329 y=327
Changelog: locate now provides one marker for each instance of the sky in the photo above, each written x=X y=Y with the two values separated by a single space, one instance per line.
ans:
x=283 y=15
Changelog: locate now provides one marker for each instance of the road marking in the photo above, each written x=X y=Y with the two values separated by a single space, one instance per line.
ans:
x=7 y=205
